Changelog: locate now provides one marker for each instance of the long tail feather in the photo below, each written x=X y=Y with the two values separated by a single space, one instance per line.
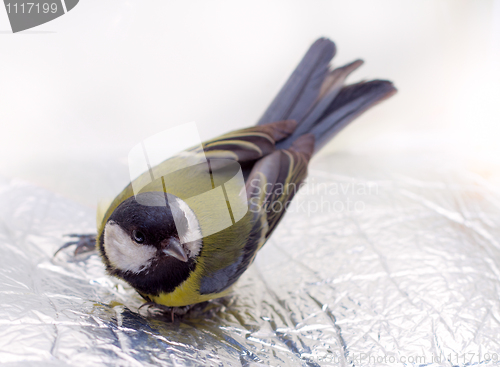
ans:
x=331 y=87
x=303 y=86
x=351 y=102
x=318 y=100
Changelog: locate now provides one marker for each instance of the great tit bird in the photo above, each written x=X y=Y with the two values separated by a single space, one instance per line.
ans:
x=163 y=245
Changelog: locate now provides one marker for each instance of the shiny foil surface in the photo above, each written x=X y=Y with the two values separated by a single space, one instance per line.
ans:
x=380 y=261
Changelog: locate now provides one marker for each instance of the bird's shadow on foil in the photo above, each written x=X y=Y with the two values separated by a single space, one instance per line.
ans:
x=207 y=326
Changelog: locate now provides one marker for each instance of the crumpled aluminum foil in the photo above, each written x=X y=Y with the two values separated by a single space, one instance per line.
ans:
x=378 y=262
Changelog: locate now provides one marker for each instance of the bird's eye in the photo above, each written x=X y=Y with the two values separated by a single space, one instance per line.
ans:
x=138 y=236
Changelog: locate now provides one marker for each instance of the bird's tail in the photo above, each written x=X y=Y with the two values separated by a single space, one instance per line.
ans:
x=315 y=96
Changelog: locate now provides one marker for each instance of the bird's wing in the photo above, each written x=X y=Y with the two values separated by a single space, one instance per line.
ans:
x=271 y=184
x=276 y=178
x=249 y=144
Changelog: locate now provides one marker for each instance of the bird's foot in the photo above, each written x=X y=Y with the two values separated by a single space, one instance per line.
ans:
x=84 y=243
x=166 y=310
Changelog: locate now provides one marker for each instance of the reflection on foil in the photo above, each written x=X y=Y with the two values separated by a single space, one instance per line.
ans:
x=379 y=262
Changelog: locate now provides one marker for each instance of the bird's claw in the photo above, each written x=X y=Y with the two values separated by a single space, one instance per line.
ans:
x=173 y=311
x=84 y=243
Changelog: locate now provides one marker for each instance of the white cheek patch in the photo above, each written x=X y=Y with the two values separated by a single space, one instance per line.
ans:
x=123 y=253
x=191 y=239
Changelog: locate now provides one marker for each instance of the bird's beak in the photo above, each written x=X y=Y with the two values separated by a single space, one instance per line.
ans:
x=172 y=247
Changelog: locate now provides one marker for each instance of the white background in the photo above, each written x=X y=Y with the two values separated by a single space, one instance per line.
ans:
x=77 y=93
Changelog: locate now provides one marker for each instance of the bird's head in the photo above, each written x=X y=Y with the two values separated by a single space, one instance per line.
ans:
x=151 y=240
